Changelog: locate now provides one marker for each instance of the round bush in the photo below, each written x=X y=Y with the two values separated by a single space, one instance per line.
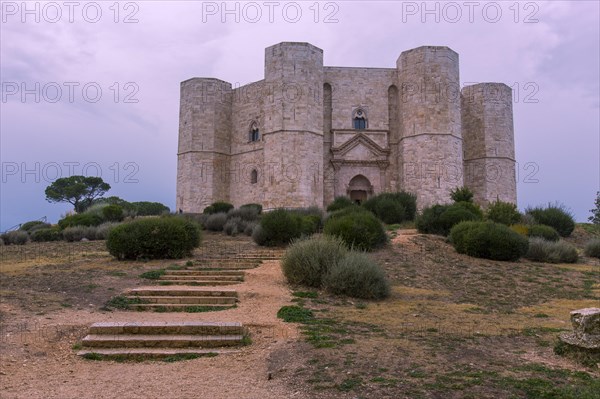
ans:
x=146 y=208
x=103 y=230
x=542 y=231
x=78 y=233
x=47 y=234
x=554 y=216
x=592 y=248
x=311 y=224
x=488 y=240
x=503 y=212
x=359 y=230
x=381 y=206
x=257 y=207
x=339 y=203
x=389 y=211
x=349 y=210
x=33 y=225
x=154 y=238
x=279 y=227
x=357 y=275
x=455 y=214
x=439 y=219
x=234 y=226
x=247 y=214
x=307 y=261
x=81 y=219
x=541 y=250
x=16 y=237
x=218 y=207
x=461 y=194
x=112 y=213
x=428 y=221
x=216 y=222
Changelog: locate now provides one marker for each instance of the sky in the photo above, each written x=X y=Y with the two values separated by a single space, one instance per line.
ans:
x=92 y=88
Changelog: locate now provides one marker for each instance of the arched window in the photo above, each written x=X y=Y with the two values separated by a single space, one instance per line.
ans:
x=254 y=134
x=253 y=176
x=359 y=119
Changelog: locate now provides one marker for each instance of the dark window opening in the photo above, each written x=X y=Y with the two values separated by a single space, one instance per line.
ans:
x=254 y=177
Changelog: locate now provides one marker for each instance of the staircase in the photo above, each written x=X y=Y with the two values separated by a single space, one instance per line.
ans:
x=161 y=339
x=205 y=277
x=180 y=298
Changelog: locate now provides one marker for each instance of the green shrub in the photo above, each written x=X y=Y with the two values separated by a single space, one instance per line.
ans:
x=250 y=226
x=359 y=230
x=357 y=275
x=257 y=207
x=455 y=214
x=234 y=226
x=382 y=206
x=34 y=225
x=47 y=234
x=80 y=219
x=310 y=224
x=247 y=214
x=307 y=261
x=541 y=250
x=145 y=208
x=439 y=219
x=103 y=230
x=78 y=233
x=15 y=237
x=542 y=231
x=349 y=210
x=218 y=207
x=279 y=227
x=554 y=216
x=592 y=248
x=428 y=221
x=339 y=203
x=154 y=238
x=258 y=235
x=216 y=221
x=112 y=213
x=390 y=211
x=488 y=240
x=503 y=212
x=461 y=194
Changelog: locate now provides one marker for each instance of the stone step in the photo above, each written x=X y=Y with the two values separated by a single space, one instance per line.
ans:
x=181 y=307
x=181 y=291
x=160 y=341
x=198 y=282
x=200 y=272
x=151 y=353
x=169 y=328
x=184 y=299
x=224 y=266
x=200 y=277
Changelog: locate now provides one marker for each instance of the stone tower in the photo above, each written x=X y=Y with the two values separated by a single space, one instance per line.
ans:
x=489 y=147
x=293 y=126
x=431 y=155
x=203 y=150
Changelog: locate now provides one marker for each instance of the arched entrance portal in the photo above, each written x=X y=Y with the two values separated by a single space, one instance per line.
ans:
x=359 y=189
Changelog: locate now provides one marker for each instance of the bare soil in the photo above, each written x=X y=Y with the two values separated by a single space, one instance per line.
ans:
x=454 y=327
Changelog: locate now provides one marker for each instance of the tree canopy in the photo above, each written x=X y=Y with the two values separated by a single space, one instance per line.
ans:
x=80 y=191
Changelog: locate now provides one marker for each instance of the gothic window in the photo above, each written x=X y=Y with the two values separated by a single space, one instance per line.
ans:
x=254 y=134
x=359 y=119
x=253 y=176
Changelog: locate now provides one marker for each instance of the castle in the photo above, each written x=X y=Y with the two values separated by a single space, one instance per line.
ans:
x=308 y=133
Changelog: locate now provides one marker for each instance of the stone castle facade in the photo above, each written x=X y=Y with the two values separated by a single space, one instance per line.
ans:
x=308 y=133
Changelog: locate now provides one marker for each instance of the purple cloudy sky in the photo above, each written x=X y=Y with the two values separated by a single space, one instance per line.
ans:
x=93 y=87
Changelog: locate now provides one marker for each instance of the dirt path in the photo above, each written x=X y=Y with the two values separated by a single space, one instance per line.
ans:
x=37 y=360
